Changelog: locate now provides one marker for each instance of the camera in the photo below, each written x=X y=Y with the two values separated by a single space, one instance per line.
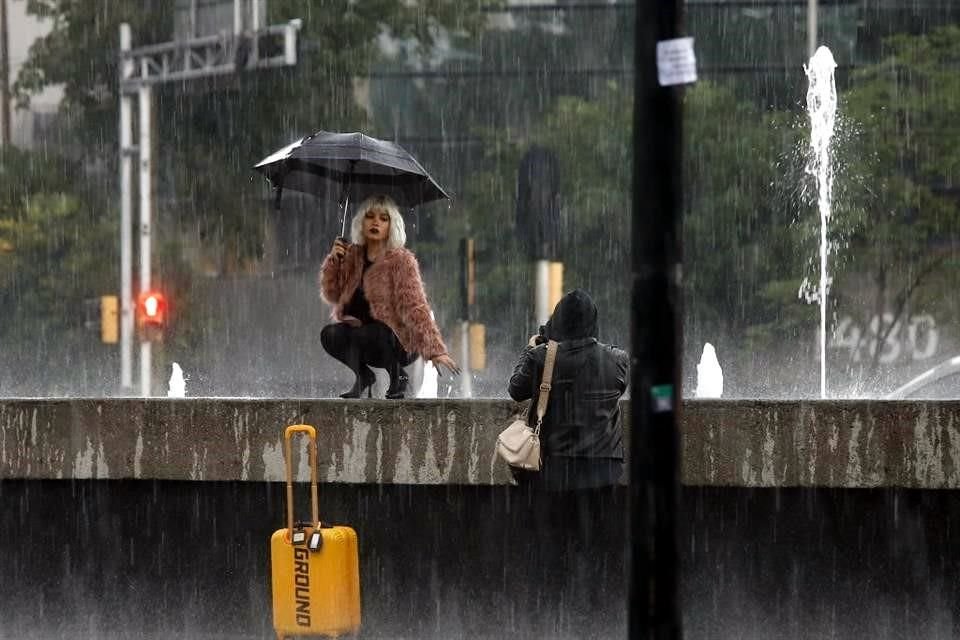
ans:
x=542 y=335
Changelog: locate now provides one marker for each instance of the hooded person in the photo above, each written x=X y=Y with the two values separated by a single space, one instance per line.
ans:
x=581 y=438
x=569 y=521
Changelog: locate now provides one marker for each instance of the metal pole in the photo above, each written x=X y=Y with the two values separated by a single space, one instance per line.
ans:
x=4 y=74
x=126 y=218
x=542 y=302
x=466 y=377
x=193 y=18
x=255 y=28
x=290 y=42
x=556 y=285
x=811 y=28
x=468 y=294
x=237 y=17
x=655 y=327
x=146 y=201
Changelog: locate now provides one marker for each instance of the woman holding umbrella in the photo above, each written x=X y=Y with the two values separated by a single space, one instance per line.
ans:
x=382 y=317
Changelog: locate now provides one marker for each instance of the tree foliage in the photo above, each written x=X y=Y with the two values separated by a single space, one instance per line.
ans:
x=212 y=132
x=55 y=248
x=899 y=177
x=750 y=224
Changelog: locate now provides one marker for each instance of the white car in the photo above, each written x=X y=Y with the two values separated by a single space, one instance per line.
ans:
x=942 y=382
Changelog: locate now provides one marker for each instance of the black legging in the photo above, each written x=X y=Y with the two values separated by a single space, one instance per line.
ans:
x=373 y=344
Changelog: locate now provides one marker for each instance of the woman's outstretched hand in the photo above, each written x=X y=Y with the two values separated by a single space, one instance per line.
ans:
x=339 y=247
x=446 y=361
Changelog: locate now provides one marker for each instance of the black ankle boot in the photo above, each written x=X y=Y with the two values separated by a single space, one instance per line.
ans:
x=364 y=382
x=398 y=385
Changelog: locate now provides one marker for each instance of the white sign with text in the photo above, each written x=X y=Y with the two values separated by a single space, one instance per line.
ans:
x=676 y=62
x=918 y=341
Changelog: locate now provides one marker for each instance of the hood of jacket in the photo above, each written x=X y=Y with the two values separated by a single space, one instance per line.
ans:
x=575 y=316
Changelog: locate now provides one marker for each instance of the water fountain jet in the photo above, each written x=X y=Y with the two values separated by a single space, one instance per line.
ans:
x=822 y=110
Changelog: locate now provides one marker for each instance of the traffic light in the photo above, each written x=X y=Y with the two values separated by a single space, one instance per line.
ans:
x=539 y=203
x=151 y=315
x=109 y=319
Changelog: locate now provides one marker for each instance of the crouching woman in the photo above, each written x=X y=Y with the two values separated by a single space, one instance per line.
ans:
x=382 y=317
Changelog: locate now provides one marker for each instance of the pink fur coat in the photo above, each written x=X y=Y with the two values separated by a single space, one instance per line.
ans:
x=394 y=289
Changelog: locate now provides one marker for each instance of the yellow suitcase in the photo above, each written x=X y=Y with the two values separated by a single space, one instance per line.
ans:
x=315 y=567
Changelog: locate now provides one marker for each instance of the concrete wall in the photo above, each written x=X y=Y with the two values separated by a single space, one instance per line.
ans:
x=847 y=444
x=435 y=442
x=413 y=442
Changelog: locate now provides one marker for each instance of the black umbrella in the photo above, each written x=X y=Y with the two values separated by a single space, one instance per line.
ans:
x=350 y=166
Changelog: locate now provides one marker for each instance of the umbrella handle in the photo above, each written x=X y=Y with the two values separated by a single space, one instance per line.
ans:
x=343 y=225
x=345 y=197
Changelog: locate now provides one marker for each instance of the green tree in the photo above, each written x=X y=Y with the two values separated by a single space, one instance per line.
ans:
x=898 y=195
x=594 y=156
x=210 y=133
x=742 y=263
x=745 y=241
x=55 y=253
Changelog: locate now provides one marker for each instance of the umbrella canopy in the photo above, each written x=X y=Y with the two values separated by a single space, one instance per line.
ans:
x=350 y=166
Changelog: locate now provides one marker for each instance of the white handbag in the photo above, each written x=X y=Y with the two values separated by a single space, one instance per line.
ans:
x=519 y=444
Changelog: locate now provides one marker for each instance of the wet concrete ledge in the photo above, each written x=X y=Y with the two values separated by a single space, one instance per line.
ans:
x=847 y=444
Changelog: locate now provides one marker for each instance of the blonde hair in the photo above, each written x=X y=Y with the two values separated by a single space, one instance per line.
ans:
x=398 y=232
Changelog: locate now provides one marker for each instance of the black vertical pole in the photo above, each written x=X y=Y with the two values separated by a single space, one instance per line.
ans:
x=4 y=75
x=655 y=334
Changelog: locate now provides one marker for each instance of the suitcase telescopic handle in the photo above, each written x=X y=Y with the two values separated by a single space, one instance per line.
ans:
x=312 y=446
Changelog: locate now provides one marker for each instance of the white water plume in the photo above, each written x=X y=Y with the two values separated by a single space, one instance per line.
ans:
x=177 y=385
x=709 y=374
x=822 y=110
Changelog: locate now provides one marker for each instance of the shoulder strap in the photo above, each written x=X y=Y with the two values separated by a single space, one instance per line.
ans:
x=545 y=385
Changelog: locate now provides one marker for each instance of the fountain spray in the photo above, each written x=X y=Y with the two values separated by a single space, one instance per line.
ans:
x=822 y=110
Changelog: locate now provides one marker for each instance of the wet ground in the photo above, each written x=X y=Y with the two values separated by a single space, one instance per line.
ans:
x=151 y=559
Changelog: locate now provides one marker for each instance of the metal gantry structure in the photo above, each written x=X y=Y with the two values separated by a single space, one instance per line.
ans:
x=141 y=69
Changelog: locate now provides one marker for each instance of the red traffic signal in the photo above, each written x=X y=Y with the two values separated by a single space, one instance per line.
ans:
x=151 y=309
